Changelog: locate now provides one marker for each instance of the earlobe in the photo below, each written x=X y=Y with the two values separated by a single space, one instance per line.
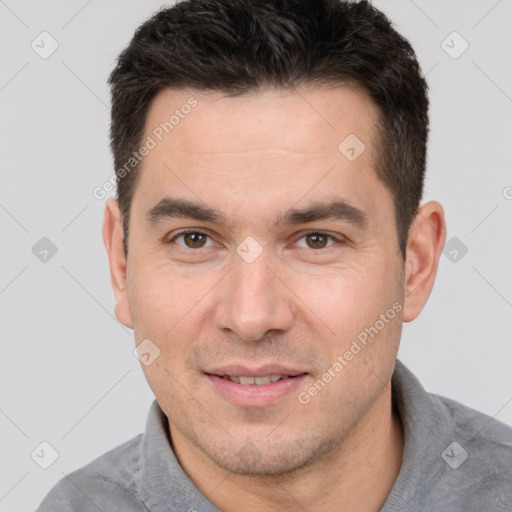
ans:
x=425 y=243
x=113 y=239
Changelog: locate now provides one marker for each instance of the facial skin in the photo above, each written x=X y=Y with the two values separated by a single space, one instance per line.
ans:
x=299 y=305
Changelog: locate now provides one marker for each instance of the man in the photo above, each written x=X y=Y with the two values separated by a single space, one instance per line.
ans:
x=266 y=244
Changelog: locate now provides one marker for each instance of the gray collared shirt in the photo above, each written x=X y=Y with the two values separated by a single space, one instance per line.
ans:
x=455 y=460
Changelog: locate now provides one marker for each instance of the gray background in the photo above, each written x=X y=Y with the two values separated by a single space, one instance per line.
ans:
x=67 y=371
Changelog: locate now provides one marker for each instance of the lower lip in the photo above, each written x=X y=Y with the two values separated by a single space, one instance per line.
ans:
x=254 y=395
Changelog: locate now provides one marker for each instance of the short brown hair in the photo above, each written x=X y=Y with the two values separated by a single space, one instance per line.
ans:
x=237 y=46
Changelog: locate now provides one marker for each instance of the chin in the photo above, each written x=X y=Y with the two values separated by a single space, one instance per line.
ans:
x=269 y=459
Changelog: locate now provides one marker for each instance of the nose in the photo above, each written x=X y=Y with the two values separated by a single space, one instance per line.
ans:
x=254 y=300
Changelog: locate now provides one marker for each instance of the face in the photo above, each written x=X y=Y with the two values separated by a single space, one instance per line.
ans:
x=260 y=249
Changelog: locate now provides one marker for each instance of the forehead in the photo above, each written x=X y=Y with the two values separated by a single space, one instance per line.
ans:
x=305 y=120
x=263 y=149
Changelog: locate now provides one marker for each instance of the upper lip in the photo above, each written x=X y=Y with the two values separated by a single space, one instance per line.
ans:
x=260 y=371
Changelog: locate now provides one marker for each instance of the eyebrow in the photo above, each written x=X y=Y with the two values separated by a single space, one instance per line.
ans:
x=168 y=208
x=340 y=210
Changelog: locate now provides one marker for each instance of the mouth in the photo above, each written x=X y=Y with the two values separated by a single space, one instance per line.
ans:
x=254 y=388
x=255 y=381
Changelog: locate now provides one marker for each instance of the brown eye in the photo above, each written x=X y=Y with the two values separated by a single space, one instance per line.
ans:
x=192 y=240
x=317 y=240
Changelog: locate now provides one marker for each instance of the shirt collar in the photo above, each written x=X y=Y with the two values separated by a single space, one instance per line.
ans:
x=428 y=430
x=162 y=484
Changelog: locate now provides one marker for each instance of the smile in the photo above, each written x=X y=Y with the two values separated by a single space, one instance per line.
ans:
x=258 y=381
x=248 y=388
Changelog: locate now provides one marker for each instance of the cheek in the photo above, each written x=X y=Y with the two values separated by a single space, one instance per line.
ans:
x=169 y=309
x=348 y=300
x=164 y=310
x=160 y=297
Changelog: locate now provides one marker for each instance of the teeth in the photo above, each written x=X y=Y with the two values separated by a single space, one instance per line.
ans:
x=262 y=380
x=259 y=381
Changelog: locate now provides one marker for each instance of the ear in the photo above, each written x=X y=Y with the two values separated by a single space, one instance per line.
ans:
x=113 y=240
x=425 y=243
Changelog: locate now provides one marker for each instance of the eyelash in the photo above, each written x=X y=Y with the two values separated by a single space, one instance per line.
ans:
x=322 y=233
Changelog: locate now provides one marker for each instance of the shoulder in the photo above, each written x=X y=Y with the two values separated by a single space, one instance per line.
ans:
x=486 y=436
x=107 y=483
x=479 y=457
x=455 y=458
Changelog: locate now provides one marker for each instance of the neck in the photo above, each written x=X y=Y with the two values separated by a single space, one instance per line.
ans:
x=357 y=475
